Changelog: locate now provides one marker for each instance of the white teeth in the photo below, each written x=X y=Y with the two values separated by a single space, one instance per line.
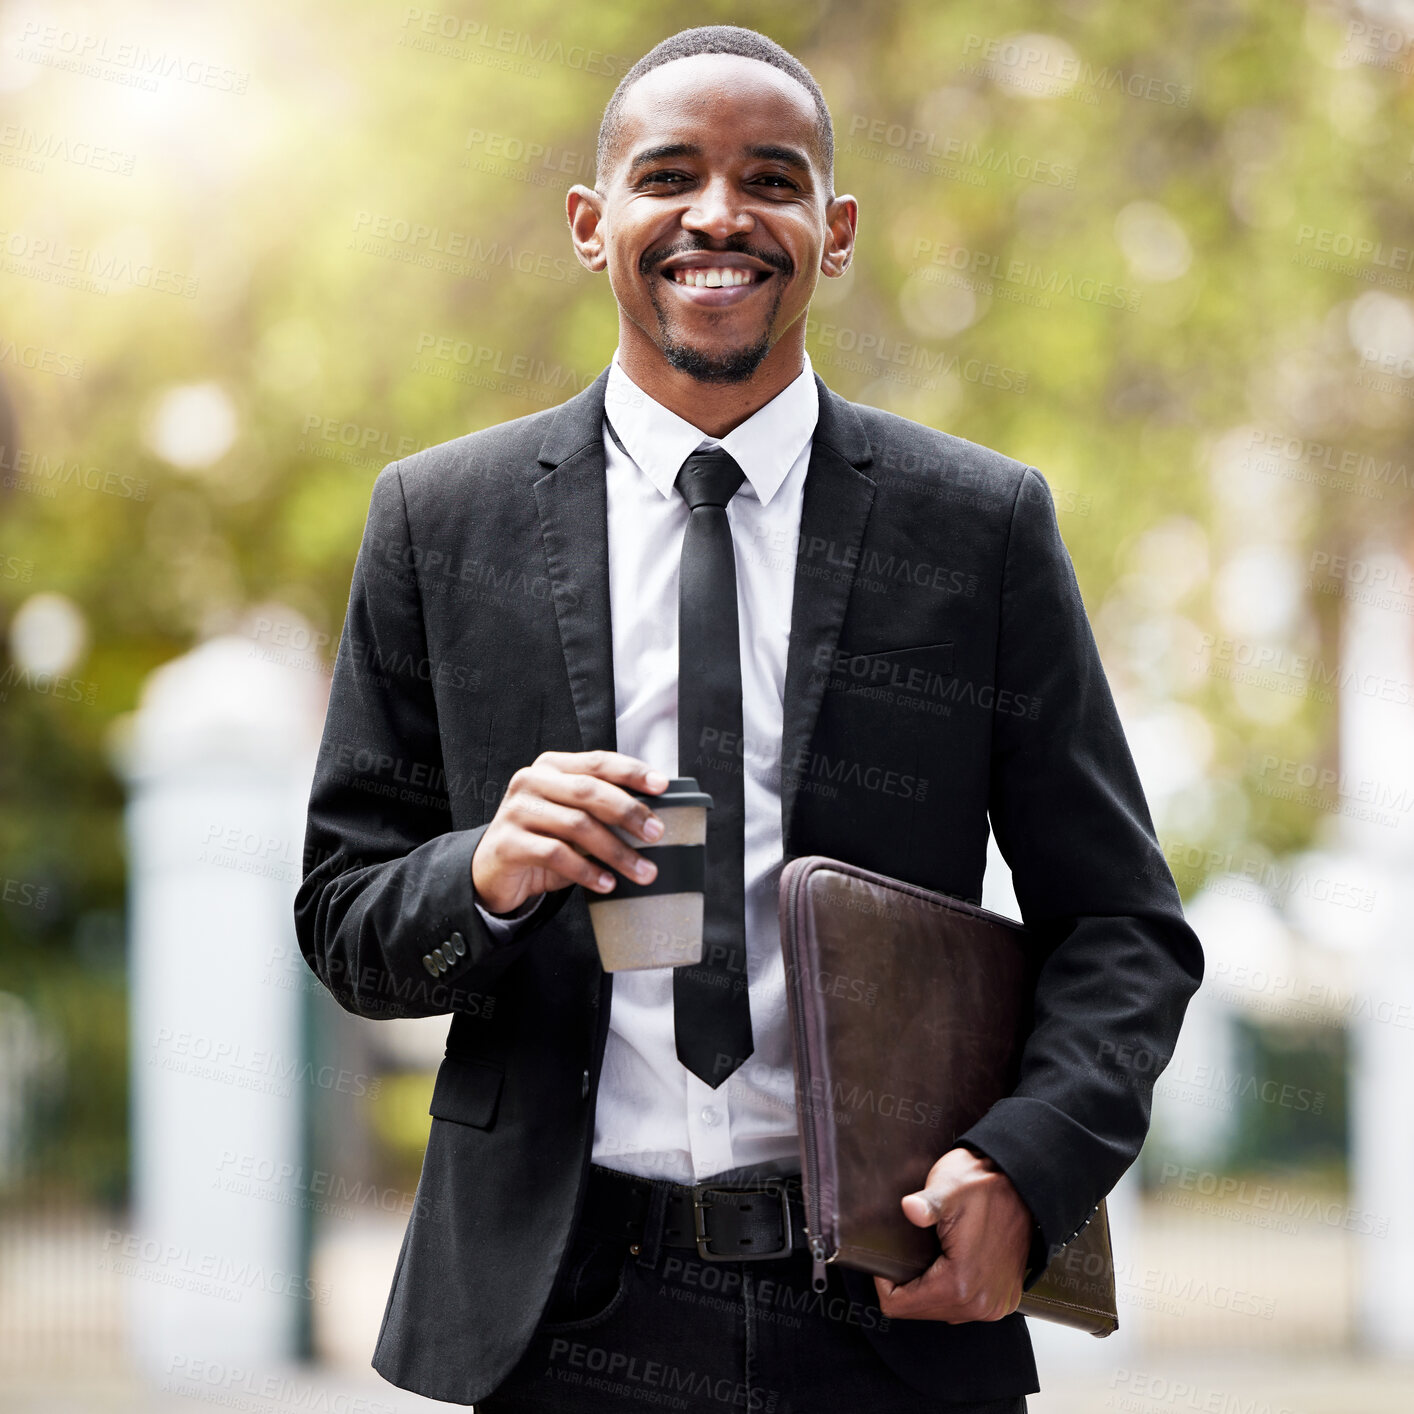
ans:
x=714 y=277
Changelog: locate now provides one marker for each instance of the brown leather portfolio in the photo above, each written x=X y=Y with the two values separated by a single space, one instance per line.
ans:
x=909 y=1010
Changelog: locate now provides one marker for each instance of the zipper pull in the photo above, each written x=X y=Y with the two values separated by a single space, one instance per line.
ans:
x=817 y=1264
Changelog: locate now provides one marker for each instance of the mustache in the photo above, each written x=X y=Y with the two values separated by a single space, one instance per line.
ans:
x=774 y=259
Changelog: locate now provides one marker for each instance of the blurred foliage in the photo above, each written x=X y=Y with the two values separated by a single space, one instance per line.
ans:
x=399 y=1119
x=357 y=202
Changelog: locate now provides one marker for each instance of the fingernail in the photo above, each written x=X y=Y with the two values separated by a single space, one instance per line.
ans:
x=605 y=880
x=644 y=869
x=656 y=780
x=652 y=828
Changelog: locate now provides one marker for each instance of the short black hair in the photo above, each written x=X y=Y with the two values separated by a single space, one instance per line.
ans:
x=718 y=39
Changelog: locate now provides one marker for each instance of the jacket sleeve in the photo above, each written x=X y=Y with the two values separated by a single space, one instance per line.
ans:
x=1117 y=961
x=386 y=915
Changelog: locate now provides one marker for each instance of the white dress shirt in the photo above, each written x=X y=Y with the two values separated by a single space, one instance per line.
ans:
x=653 y=1117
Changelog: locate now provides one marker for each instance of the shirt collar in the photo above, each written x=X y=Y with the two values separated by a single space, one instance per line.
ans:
x=765 y=446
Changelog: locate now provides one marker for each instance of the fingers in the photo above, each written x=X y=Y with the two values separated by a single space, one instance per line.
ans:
x=597 y=782
x=613 y=766
x=922 y=1209
x=949 y=1291
x=594 y=843
x=978 y=1277
x=557 y=812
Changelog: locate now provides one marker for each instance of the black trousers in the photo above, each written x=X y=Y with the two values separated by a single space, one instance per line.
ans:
x=665 y=1329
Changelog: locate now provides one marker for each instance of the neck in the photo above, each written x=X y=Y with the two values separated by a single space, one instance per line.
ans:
x=714 y=408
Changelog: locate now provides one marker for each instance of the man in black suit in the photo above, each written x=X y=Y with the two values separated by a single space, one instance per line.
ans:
x=914 y=661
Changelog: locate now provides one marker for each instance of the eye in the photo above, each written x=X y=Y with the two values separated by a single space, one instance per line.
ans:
x=653 y=177
x=776 y=177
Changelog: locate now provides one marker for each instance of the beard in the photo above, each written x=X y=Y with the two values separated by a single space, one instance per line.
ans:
x=735 y=366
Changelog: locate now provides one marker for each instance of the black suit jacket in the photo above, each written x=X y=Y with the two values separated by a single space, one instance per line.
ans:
x=941 y=671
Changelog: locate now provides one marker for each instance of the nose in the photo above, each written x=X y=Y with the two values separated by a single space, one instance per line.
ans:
x=719 y=211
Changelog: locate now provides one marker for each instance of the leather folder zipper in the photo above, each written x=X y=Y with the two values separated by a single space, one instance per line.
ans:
x=821 y=1251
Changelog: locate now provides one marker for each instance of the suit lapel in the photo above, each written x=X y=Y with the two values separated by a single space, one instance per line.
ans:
x=574 y=523
x=832 y=519
x=573 y=506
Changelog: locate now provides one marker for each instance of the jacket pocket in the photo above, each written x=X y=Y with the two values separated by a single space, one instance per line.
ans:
x=467 y=1091
x=887 y=666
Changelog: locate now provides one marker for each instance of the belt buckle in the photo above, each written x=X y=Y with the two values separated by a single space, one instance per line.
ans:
x=699 y=1227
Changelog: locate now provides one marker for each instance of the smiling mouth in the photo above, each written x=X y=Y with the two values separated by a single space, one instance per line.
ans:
x=715 y=277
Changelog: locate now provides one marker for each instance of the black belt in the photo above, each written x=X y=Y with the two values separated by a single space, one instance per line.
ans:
x=725 y=1222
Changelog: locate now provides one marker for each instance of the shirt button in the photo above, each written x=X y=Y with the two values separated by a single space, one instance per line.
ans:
x=710 y=1116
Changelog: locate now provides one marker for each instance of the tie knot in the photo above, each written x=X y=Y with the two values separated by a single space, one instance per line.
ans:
x=709 y=478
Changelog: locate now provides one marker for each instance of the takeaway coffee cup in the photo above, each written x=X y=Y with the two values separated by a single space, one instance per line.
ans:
x=658 y=924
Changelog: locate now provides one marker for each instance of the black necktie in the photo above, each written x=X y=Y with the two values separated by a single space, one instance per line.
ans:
x=711 y=1011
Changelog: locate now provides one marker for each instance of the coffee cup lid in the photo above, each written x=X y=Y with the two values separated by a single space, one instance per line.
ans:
x=682 y=790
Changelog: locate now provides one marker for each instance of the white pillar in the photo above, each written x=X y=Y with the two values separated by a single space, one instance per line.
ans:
x=218 y=761
x=1377 y=759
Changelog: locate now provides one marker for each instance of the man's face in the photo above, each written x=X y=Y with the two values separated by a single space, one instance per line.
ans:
x=715 y=212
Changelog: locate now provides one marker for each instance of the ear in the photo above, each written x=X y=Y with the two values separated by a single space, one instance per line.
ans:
x=841 y=217
x=584 y=209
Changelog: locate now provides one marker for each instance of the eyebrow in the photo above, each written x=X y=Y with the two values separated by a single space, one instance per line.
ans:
x=769 y=151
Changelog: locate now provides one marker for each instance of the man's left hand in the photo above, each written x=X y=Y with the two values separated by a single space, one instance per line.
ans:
x=985 y=1231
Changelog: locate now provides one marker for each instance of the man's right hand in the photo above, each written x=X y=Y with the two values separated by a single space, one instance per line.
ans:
x=551 y=828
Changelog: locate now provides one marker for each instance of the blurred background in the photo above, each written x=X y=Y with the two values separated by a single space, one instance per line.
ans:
x=249 y=254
